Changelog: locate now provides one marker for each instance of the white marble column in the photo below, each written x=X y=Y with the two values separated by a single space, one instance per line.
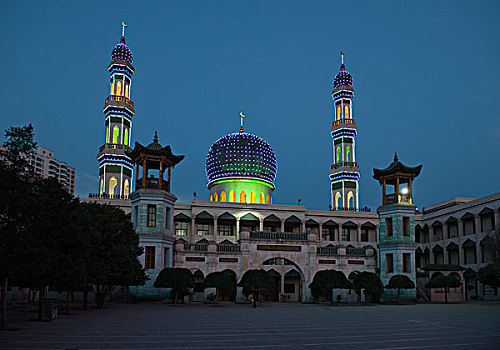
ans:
x=282 y=225
x=215 y=229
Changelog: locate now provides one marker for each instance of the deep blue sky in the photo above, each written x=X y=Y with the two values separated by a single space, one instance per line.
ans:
x=426 y=79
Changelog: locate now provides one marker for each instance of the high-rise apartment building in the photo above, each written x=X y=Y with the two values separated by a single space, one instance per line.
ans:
x=45 y=165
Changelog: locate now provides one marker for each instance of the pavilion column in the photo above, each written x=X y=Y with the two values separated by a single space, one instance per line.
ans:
x=383 y=192
x=136 y=176
x=320 y=233
x=160 y=178
x=169 y=177
x=397 y=189
x=144 y=173
x=215 y=228
x=282 y=225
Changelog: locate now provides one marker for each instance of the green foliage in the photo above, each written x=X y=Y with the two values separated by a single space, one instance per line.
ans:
x=370 y=282
x=326 y=280
x=179 y=279
x=443 y=282
x=218 y=280
x=490 y=274
x=400 y=282
x=256 y=280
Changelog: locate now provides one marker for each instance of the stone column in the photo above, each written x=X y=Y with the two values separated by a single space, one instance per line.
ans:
x=339 y=238
x=237 y=233
x=282 y=225
x=320 y=233
x=477 y=236
x=261 y=224
x=215 y=228
x=359 y=233
x=303 y=226
x=193 y=228
x=282 y=284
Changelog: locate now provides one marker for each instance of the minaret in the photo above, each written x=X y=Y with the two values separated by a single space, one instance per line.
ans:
x=344 y=172
x=115 y=167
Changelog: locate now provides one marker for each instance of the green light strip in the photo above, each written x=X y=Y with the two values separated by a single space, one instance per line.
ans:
x=245 y=181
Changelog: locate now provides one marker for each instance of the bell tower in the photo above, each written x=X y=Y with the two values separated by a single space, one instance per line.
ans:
x=344 y=172
x=397 y=225
x=115 y=167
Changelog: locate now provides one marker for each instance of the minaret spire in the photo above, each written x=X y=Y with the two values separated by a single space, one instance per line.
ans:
x=342 y=56
x=241 y=117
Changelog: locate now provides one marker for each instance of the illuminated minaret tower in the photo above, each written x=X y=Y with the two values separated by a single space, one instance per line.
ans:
x=115 y=167
x=344 y=173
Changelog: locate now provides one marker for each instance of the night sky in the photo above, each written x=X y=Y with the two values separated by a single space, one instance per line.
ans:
x=426 y=83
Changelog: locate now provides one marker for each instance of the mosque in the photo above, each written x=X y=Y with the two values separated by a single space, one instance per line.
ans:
x=240 y=227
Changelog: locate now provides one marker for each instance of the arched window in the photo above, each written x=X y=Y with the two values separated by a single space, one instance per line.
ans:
x=126 y=188
x=223 y=196
x=116 y=133
x=267 y=200
x=338 y=200
x=339 y=111
x=126 y=90
x=348 y=154
x=337 y=155
x=112 y=186
x=215 y=197
x=118 y=88
x=243 y=197
x=252 y=197
x=232 y=196
x=346 y=112
x=125 y=137
x=112 y=88
x=107 y=134
x=211 y=198
x=271 y=200
x=350 y=200
x=261 y=198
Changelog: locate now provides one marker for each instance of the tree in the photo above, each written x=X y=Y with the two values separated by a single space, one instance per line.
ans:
x=445 y=282
x=370 y=282
x=14 y=191
x=490 y=275
x=179 y=279
x=326 y=280
x=218 y=280
x=256 y=281
x=400 y=282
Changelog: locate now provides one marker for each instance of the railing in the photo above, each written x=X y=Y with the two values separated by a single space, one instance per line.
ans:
x=328 y=250
x=228 y=248
x=393 y=198
x=279 y=236
x=365 y=209
x=119 y=99
x=356 y=251
x=343 y=121
x=344 y=164
x=194 y=247
x=152 y=182
x=108 y=196
x=113 y=146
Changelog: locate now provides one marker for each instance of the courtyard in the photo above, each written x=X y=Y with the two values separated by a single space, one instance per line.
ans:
x=271 y=326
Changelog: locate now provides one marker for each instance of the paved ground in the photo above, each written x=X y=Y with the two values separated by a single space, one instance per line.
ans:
x=273 y=326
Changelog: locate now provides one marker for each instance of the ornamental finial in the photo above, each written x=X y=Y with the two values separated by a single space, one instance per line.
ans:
x=155 y=139
x=395 y=156
x=123 y=29
x=242 y=116
x=342 y=56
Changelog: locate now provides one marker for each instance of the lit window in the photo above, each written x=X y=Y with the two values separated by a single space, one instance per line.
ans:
x=225 y=230
x=118 y=88
x=112 y=186
x=126 y=188
x=339 y=111
x=223 y=196
x=232 y=196
x=215 y=197
x=267 y=200
x=348 y=154
x=149 y=261
x=126 y=90
x=151 y=215
x=337 y=156
x=116 y=133
x=243 y=197
x=346 y=112
x=181 y=228
x=261 y=198
x=125 y=139
x=252 y=197
x=202 y=230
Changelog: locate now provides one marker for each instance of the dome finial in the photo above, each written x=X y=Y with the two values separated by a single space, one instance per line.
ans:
x=242 y=116
x=123 y=30
x=342 y=67
x=395 y=156
x=155 y=139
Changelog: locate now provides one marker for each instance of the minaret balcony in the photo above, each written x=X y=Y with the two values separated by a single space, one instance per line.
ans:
x=119 y=101
x=343 y=123
x=114 y=148
x=344 y=166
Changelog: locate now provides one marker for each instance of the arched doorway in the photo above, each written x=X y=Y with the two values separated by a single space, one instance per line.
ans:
x=288 y=279
x=229 y=294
